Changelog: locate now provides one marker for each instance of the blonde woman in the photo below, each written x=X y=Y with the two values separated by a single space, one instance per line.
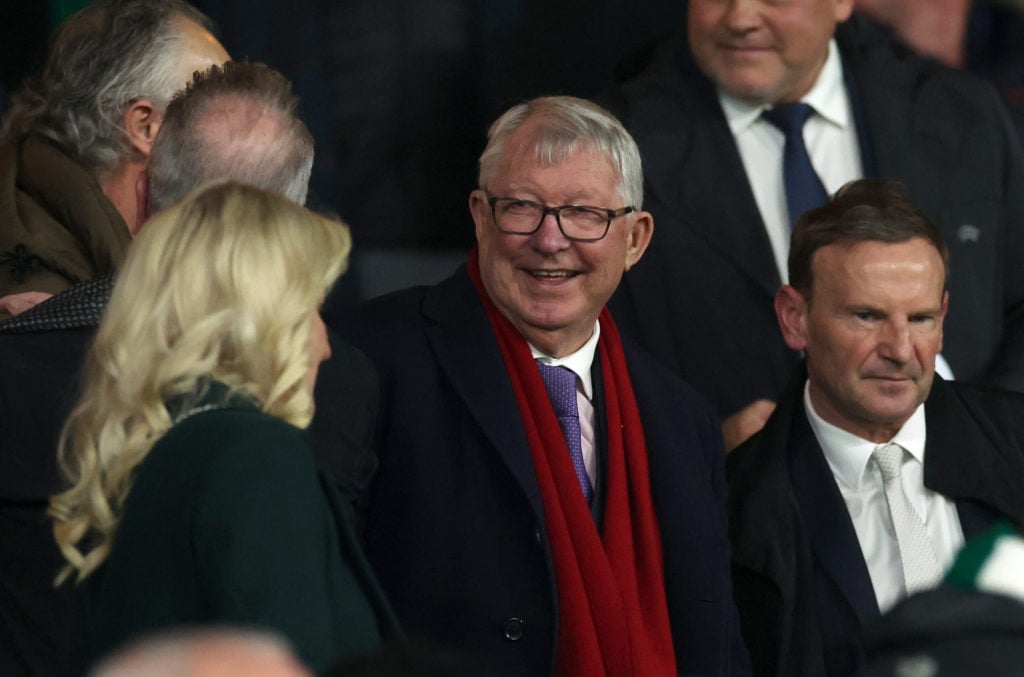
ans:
x=194 y=497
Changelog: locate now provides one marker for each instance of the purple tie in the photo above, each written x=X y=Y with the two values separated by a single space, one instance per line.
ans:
x=561 y=386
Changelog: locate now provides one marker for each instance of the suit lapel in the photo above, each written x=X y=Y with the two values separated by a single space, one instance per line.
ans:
x=689 y=156
x=896 y=134
x=964 y=464
x=468 y=354
x=827 y=521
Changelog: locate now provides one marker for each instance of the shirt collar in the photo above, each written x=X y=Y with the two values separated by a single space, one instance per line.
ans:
x=848 y=455
x=827 y=97
x=578 y=362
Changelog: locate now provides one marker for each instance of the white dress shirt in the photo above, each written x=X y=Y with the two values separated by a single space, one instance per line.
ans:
x=580 y=363
x=860 y=483
x=830 y=136
x=831 y=139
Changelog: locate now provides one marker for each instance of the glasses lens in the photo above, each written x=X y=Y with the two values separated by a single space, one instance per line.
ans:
x=583 y=222
x=517 y=216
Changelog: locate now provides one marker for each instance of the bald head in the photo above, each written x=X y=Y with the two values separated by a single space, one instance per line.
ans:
x=237 y=122
x=205 y=653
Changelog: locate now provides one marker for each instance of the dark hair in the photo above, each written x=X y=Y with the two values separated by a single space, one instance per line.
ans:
x=101 y=58
x=861 y=211
x=238 y=121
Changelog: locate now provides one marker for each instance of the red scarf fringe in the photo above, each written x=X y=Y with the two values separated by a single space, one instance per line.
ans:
x=613 y=616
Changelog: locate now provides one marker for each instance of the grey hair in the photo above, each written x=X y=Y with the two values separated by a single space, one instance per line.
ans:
x=565 y=126
x=102 y=58
x=238 y=121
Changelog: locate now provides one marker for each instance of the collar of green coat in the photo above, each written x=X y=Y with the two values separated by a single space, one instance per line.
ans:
x=991 y=562
x=209 y=395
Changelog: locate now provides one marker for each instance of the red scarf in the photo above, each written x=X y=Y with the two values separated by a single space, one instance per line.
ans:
x=613 y=616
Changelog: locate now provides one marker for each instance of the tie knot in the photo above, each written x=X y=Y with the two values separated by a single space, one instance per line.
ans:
x=789 y=117
x=561 y=386
x=889 y=458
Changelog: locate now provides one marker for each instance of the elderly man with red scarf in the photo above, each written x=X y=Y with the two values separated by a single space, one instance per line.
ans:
x=548 y=500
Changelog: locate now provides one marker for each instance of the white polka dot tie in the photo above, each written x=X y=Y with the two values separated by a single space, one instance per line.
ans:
x=921 y=568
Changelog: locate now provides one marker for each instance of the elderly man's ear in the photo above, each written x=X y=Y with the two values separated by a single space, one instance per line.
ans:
x=791 y=311
x=142 y=121
x=480 y=210
x=639 y=237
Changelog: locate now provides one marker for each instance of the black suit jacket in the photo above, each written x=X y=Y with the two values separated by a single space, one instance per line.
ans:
x=701 y=298
x=41 y=356
x=799 y=575
x=455 y=525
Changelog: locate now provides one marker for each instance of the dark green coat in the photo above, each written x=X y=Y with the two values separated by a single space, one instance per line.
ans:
x=227 y=523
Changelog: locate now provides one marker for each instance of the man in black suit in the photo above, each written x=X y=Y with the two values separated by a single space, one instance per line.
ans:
x=872 y=471
x=576 y=528
x=240 y=122
x=701 y=299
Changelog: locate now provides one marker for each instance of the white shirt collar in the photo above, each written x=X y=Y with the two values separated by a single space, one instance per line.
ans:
x=827 y=97
x=578 y=362
x=848 y=455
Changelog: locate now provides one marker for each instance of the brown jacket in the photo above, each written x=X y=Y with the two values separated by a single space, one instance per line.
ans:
x=56 y=225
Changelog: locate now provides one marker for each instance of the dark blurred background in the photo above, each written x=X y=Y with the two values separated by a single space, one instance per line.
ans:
x=399 y=94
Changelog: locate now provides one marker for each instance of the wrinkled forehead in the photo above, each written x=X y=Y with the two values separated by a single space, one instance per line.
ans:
x=548 y=147
x=547 y=153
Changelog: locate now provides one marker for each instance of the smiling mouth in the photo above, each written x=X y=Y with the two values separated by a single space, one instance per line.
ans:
x=552 y=274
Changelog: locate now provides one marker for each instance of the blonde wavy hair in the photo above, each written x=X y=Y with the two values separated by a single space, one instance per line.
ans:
x=221 y=287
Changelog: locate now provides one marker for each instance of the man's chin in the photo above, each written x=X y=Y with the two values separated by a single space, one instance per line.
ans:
x=753 y=88
x=894 y=402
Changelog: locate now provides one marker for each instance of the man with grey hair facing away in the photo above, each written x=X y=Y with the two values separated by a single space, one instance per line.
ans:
x=248 y=108
x=78 y=136
x=239 y=121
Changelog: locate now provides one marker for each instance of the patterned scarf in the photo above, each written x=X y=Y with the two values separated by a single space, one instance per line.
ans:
x=78 y=307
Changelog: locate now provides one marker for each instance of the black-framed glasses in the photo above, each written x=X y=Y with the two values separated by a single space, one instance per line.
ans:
x=579 y=223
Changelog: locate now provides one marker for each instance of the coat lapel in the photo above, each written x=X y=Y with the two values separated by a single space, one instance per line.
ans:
x=468 y=353
x=690 y=156
x=827 y=521
x=899 y=135
x=964 y=461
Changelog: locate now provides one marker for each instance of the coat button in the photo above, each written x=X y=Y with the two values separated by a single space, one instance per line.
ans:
x=537 y=536
x=514 y=629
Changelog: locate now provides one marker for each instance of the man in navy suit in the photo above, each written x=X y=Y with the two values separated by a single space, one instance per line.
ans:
x=548 y=497
x=701 y=300
x=872 y=470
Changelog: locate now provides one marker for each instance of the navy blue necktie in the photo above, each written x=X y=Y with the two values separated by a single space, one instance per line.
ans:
x=803 y=187
x=561 y=386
